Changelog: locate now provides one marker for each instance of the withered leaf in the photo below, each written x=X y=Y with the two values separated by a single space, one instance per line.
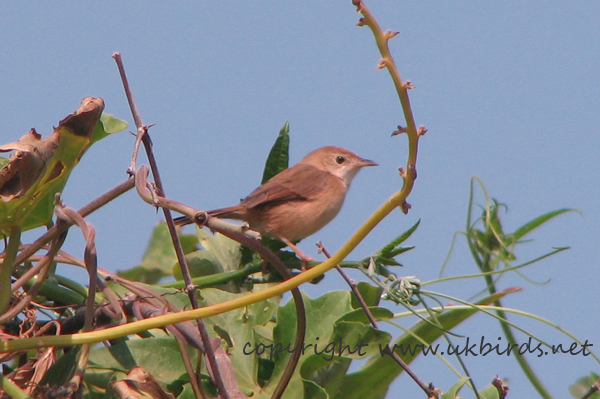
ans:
x=39 y=168
x=140 y=383
x=29 y=159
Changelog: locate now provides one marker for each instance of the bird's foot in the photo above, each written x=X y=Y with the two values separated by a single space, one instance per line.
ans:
x=304 y=259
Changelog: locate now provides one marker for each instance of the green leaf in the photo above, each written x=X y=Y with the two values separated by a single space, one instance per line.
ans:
x=360 y=337
x=187 y=393
x=489 y=392
x=311 y=390
x=108 y=125
x=159 y=356
x=219 y=254
x=370 y=294
x=326 y=331
x=328 y=374
x=59 y=372
x=158 y=259
x=200 y=263
x=239 y=325
x=455 y=389
x=40 y=168
x=535 y=223
x=358 y=315
x=279 y=156
x=227 y=252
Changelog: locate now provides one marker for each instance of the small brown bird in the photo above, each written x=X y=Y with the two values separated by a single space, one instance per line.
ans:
x=300 y=200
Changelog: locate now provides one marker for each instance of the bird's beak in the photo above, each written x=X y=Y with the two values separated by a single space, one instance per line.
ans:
x=367 y=162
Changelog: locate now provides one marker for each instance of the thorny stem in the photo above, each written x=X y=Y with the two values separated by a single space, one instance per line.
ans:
x=137 y=119
x=387 y=61
x=143 y=133
x=427 y=388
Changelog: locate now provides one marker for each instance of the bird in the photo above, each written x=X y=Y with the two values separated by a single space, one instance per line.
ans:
x=298 y=201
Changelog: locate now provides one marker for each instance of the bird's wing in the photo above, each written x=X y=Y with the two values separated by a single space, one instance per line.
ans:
x=298 y=183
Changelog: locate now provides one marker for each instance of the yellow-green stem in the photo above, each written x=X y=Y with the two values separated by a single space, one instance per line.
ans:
x=11 y=389
x=382 y=39
x=172 y=318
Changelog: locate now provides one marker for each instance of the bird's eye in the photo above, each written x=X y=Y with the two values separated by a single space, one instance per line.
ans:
x=340 y=159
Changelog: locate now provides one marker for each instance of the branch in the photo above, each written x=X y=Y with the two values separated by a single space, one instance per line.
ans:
x=145 y=138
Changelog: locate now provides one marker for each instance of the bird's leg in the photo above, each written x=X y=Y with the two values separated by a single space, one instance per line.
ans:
x=304 y=259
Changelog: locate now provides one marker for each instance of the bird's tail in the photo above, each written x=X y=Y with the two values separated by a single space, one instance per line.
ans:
x=232 y=212
x=182 y=221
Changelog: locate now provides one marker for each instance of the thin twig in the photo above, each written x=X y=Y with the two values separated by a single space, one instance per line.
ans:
x=6 y=269
x=143 y=133
x=268 y=256
x=46 y=261
x=158 y=302
x=593 y=389
x=137 y=119
x=427 y=388
x=75 y=383
x=352 y=284
x=189 y=368
x=90 y=258
x=85 y=211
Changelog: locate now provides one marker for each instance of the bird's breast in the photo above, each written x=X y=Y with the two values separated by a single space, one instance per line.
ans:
x=296 y=220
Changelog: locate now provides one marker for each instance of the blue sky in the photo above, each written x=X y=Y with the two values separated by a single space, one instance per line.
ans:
x=509 y=92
